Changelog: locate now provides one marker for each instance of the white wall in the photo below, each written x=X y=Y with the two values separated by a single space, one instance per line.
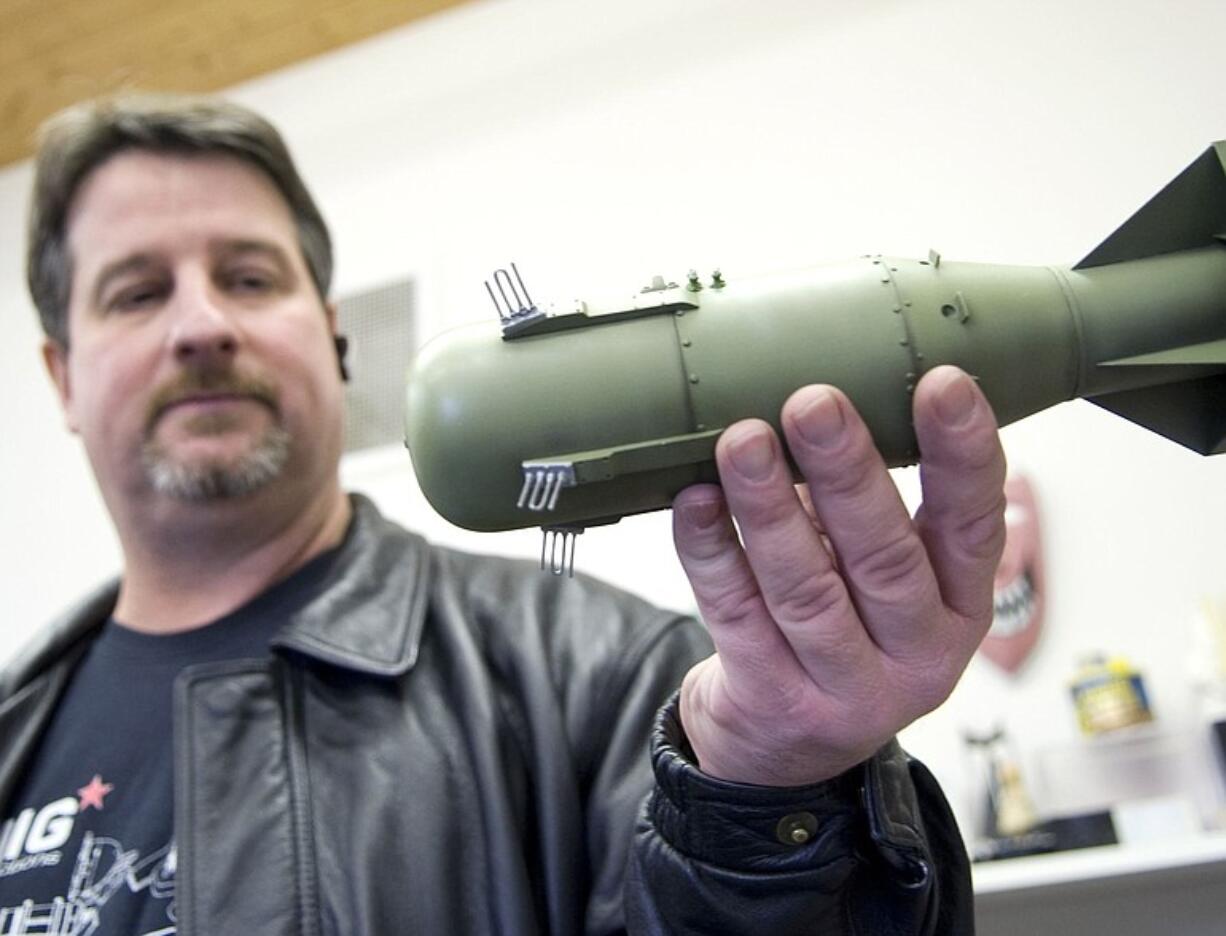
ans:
x=597 y=148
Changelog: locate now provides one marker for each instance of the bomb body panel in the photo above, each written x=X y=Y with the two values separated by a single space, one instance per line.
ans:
x=632 y=405
x=753 y=343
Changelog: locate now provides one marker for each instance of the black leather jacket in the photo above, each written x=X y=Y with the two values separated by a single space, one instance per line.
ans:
x=449 y=744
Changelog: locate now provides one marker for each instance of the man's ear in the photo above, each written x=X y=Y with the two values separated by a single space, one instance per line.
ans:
x=339 y=340
x=55 y=359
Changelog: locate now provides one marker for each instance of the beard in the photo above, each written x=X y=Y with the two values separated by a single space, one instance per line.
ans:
x=214 y=479
x=202 y=480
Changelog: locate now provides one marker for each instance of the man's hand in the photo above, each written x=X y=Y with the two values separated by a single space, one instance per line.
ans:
x=840 y=620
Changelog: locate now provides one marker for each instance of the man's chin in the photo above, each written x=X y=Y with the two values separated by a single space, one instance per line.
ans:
x=205 y=477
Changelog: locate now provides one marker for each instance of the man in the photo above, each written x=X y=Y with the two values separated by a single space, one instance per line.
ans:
x=371 y=735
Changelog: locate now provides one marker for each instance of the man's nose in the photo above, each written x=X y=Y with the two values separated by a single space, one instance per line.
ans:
x=203 y=333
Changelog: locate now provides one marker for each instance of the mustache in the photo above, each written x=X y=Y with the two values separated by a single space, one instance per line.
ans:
x=225 y=382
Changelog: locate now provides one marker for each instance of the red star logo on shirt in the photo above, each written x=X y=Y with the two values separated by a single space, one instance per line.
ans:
x=92 y=793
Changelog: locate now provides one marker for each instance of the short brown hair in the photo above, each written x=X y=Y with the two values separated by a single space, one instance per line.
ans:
x=77 y=140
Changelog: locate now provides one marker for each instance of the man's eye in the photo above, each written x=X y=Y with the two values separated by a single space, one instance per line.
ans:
x=251 y=281
x=136 y=297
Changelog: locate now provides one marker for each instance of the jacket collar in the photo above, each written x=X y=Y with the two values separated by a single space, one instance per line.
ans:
x=365 y=612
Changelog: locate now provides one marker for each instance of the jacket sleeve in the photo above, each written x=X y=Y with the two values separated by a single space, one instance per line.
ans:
x=874 y=851
x=636 y=677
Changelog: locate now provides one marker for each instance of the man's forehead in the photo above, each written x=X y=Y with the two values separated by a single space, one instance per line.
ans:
x=140 y=195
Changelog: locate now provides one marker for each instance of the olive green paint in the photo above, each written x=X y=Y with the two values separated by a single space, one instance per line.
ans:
x=631 y=395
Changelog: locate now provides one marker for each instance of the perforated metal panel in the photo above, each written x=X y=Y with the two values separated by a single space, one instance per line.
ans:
x=379 y=326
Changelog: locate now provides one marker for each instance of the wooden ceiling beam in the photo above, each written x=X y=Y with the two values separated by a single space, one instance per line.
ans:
x=56 y=52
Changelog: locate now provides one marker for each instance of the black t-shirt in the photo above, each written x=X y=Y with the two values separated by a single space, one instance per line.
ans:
x=87 y=842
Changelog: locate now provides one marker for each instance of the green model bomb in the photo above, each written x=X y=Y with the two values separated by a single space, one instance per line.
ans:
x=577 y=416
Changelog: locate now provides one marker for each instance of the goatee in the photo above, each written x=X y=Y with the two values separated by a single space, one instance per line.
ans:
x=217 y=480
x=214 y=479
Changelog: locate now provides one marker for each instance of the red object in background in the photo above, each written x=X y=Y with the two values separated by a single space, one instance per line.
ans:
x=1019 y=587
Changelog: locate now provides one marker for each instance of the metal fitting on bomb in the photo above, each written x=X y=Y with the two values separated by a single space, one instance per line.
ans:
x=543 y=482
x=558 y=549
x=516 y=310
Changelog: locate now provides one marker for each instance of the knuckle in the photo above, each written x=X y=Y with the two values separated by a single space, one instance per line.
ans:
x=985 y=529
x=732 y=602
x=810 y=598
x=979 y=530
x=984 y=539
x=978 y=611
x=893 y=561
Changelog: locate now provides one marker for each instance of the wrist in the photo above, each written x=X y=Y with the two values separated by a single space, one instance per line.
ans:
x=739 y=825
x=737 y=754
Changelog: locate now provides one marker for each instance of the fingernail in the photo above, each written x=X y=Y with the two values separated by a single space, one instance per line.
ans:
x=701 y=514
x=751 y=455
x=820 y=420
x=956 y=402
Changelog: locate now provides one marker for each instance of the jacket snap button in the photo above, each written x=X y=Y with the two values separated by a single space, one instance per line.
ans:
x=796 y=828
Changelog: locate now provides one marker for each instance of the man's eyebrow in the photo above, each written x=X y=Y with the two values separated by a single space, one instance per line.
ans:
x=133 y=263
x=139 y=262
x=237 y=248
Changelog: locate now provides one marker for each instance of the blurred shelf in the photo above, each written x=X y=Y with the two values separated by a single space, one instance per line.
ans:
x=1100 y=865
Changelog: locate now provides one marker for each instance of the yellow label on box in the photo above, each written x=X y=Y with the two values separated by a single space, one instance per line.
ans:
x=1110 y=696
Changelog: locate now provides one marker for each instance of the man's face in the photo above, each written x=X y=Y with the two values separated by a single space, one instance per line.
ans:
x=201 y=363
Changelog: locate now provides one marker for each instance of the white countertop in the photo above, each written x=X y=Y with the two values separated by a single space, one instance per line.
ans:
x=1097 y=864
